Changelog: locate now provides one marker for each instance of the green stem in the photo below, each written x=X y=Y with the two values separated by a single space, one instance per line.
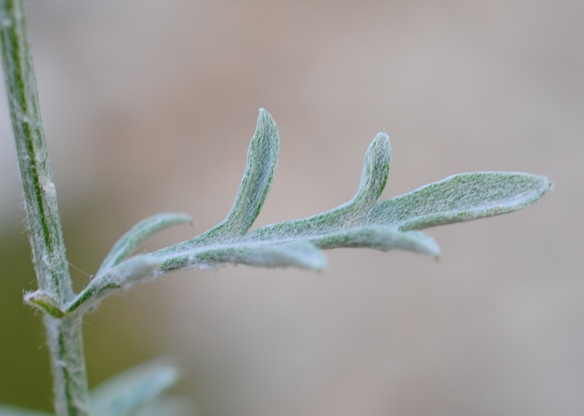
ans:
x=46 y=238
x=65 y=341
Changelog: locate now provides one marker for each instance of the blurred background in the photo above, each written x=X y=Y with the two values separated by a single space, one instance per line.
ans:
x=149 y=107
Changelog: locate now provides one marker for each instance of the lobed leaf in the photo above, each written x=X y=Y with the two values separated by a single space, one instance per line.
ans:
x=350 y=214
x=360 y=222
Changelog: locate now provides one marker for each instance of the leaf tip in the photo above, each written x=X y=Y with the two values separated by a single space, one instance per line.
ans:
x=548 y=184
x=264 y=117
x=382 y=138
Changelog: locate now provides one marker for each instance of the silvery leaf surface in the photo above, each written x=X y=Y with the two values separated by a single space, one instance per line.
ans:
x=362 y=221
x=262 y=159
x=461 y=197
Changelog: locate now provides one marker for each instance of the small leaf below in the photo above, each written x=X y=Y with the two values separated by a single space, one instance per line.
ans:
x=128 y=391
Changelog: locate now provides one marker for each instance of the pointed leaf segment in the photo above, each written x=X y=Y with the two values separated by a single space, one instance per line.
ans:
x=361 y=222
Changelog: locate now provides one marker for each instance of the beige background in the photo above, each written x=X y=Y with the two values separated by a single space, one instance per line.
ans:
x=149 y=107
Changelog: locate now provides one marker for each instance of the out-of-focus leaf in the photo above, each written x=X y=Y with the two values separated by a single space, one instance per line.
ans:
x=6 y=410
x=127 y=392
x=168 y=406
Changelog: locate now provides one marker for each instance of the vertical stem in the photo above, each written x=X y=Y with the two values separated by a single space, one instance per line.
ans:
x=46 y=238
x=65 y=341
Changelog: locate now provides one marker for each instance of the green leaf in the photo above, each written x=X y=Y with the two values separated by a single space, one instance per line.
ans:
x=6 y=410
x=364 y=222
x=374 y=176
x=262 y=158
x=360 y=222
x=168 y=406
x=281 y=254
x=350 y=214
x=137 y=235
x=46 y=303
x=379 y=238
x=462 y=197
x=129 y=391
x=277 y=245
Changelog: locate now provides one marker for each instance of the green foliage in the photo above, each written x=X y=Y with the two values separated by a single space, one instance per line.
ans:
x=6 y=410
x=138 y=389
x=361 y=222
x=135 y=392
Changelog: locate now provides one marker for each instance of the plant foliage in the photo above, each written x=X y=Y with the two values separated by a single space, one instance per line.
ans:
x=361 y=222
x=364 y=221
x=134 y=392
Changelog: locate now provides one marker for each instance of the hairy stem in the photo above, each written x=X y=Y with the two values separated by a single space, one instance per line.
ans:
x=40 y=198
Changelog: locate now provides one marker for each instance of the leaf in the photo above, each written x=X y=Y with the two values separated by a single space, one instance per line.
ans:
x=363 y=222
x=344 y=226
x=262 y=158
x=130 y=390
x=281 y=254
x=46 y=303
x=375 y=173
x=360 y=222
x=168 y=406
x=373 y=178
x=137 y=235
x=462 y=197
x=6 y=410
x=379 y=238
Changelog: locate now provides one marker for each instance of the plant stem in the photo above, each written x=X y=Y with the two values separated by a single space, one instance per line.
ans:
x=46 y=238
